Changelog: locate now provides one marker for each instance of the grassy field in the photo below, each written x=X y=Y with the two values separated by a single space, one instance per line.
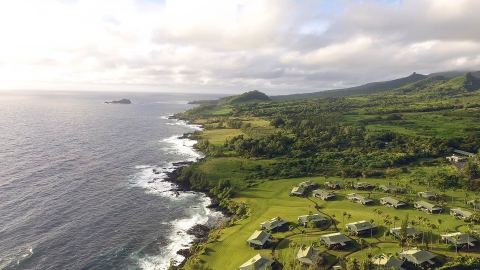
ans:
x=270 y=199
x=414 y=116
x=447 y=124
x=219 y=136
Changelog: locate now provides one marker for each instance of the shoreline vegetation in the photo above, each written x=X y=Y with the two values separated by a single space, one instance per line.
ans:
x=382 y=149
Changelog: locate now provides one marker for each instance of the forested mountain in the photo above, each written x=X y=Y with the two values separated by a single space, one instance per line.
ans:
x=377 y=87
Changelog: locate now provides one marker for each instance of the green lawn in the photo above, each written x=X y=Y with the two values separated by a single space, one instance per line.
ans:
x=446 y=124
x=219 y=136
x=271 y=198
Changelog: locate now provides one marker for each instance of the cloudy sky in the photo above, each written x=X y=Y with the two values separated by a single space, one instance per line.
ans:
x=277 y=46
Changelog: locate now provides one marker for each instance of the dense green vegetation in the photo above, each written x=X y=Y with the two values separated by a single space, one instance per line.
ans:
x=258 y=149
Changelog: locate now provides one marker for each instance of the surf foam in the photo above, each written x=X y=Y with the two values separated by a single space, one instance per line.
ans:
x=152 y=180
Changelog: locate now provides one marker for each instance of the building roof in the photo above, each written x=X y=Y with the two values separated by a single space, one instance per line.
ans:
x=298 y=190
x=388 y=262
x=360 y=226
x=312 y=217
x=465 y=153
x=411 y=231
x=306 y=184
x=418 y=256
x=428 y=205
x=307 y=254
x=390 y=187
x=328 y=183
x=323 y=193
x=358 y=197
x=257 y=262
x=272 y=223
x=461 y=212
x=335 y=238
x=393 y=201
x=259 y=238
x=474 y=203
x=362 y=184
x=459 y=238
x=427 y=194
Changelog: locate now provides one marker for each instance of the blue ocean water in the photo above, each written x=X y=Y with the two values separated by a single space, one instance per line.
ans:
x=77 y=188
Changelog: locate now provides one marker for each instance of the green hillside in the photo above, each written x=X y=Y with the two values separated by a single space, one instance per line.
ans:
x=258 y=149
x=378 y=87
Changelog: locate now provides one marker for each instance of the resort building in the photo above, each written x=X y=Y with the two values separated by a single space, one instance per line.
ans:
x=363 y=186
x=387 y=262
x=307 y=185
x=257 y=262
x=475 y=204
x=428 y=207
x=333 y=185
x=454 y=158
x=460 y=240
x=273 y=224
x=461 y=213
x=298 y=191
x=335 y=240
x=309 y=256
x=317 y=219
x=392 y=202
x=392 y=189
x=324 y=194
x=427 y=195
x=362 y=227
x=418 y=257
x=463 y=153
x=259 y=239
x=411 y=232
x=357 y=198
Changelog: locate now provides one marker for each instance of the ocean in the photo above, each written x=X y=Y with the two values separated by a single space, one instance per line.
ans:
x=77 y=182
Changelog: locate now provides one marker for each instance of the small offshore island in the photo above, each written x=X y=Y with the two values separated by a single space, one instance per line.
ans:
x=121 y=101
x=379 y=176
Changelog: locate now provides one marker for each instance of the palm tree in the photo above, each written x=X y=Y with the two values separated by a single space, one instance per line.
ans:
x=371 y=229
x=439 y=221
x=395 y=219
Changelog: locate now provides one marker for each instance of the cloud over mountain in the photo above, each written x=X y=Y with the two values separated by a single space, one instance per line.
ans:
x=188 y=45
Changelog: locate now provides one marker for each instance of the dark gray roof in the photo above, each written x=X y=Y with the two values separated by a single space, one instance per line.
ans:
x=411 y=231
x=360 y=226
x=427 y=205
x=418 y=256
x=272 y=223
x=335 y=238
x=259 y=238
x=459 y=238
x=465 y=153
x=312 y=217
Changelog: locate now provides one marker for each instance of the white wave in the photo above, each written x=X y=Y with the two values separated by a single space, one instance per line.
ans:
x=152 y=180
x=16 y=256
x=182 y=147
x=166 y=117
x=179 y=238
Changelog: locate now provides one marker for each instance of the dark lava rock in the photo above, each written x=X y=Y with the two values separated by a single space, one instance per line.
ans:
x=199 y=231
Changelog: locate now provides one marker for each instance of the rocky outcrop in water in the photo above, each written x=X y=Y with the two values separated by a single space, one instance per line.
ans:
x=121 y=101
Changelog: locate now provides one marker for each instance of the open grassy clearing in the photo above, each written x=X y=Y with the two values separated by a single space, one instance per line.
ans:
x=219 y=136
x=447 y=124
x=233 y=169
x=270 y=199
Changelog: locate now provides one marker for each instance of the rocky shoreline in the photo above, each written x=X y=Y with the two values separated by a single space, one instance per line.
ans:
x=200 y=231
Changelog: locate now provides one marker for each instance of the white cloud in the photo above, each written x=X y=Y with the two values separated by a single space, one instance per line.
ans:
x=230 y=45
